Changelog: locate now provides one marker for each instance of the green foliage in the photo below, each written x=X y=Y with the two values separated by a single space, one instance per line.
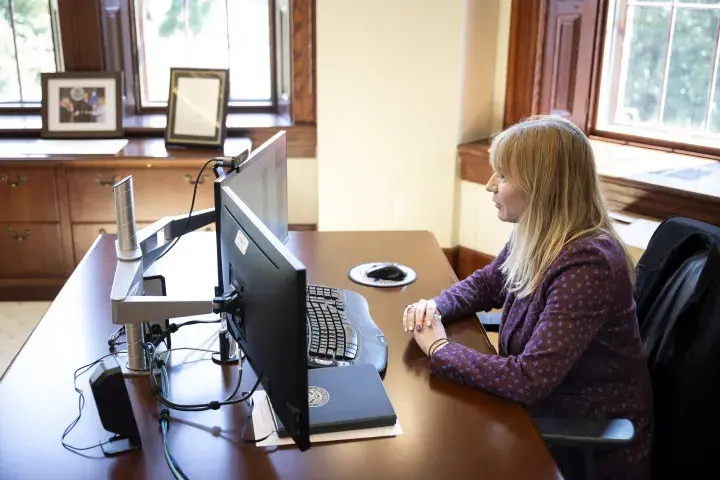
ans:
x=183 y=14
x=689 y=71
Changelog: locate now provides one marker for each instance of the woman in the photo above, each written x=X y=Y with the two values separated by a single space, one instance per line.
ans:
x=569 y=340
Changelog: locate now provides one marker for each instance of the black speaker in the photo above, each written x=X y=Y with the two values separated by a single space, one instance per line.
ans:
x=114 y=408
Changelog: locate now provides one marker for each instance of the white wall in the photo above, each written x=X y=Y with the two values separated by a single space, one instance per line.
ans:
x=399 y=85
x=302 y=191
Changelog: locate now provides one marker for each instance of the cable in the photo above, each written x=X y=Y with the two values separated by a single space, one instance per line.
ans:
x=162 y=398
x=247 y=421
x=177 y=472
x=173 y=327
x=192 y=206
x=112 y=341
x=81 y=404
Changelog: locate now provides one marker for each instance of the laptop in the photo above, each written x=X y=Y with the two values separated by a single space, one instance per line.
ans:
x=345 y=398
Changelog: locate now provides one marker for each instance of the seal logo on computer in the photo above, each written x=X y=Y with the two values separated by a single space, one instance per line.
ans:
x=317 y=396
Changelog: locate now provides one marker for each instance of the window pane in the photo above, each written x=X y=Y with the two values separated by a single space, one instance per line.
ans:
x=36 y=52
x=643 y=85
x=195 y=34
x=26 y=27
x=9 y=84
x=690 y=72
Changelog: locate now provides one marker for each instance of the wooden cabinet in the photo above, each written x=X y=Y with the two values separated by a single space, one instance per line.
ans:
x=28 y=194
x=31 y=250
x=158 y=192
x=51 y=211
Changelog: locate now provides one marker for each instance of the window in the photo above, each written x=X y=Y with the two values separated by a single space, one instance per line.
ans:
x=659 y=77
x=28 y=46
x=234 y=34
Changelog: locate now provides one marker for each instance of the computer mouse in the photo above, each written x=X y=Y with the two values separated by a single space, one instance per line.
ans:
x=386 y=271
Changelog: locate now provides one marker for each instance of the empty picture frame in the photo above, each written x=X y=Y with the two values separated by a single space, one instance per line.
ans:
x=197 y=107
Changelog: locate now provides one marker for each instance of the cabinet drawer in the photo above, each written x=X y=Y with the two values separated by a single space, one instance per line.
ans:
x=31 y=250
x=28 y=194
x=158 y=193
x=84 y=234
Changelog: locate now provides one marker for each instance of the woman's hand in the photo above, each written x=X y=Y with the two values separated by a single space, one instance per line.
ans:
x=418 y=314
x=427 y=336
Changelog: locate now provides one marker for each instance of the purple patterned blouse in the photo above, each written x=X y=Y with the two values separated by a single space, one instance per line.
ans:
x=571 y=349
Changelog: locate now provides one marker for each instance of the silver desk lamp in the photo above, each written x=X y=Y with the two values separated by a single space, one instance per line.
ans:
x=136 y=252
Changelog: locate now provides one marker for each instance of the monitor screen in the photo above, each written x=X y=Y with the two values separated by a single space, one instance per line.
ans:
x=261 y=183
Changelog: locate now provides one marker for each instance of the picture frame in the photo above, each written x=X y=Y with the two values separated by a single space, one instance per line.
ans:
x=197 y=107
x=81 y=105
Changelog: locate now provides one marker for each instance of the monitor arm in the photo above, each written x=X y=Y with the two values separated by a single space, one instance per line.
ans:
x=138 y=251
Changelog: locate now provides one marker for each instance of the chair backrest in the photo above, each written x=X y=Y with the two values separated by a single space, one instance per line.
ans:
x=678 y=301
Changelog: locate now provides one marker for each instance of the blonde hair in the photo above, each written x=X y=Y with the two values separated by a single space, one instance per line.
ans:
x=551 y=161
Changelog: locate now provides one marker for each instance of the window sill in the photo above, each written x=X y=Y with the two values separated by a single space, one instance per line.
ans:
x=639 y=181
x=258 y=127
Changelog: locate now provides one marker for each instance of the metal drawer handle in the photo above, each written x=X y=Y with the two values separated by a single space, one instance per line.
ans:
x=102 y=231
x=22 y=178
x=18 y=236
x=106 y=183
x=191 y=180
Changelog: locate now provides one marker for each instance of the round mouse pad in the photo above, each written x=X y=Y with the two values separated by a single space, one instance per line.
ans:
x=357 y=275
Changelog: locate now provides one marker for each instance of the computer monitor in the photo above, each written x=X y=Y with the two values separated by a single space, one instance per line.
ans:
x=270 y=323
x=261 y=183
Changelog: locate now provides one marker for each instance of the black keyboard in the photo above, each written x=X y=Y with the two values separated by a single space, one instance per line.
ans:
x=340 y=330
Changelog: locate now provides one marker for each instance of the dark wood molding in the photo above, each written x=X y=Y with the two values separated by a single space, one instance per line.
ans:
x=452 y=257
x=527 y=35
x=303 y=60
x=302 y=227
x=475 y=161
x=659 y=202
x=302 y=139
x=622 y=195
x=81 y=35
x=469 y=260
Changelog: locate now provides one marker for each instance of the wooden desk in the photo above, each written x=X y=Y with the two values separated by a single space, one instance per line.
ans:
x=450 y=431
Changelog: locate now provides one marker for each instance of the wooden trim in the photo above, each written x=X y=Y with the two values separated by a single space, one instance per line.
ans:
x=302 y=227
x=470 y=260
x=527 y=35
x=29 y=290
x=622 y=195
x=452 y=257
x=639 y=198
x=475 y=161
x=65 y=221
x=302 y=139
x=303 y=61
x=81 y=36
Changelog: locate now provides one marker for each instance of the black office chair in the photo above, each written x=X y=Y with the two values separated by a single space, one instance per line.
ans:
x=678 y=305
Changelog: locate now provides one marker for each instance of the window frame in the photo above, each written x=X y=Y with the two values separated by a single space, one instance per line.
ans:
x=94 y=37
x=132 y=63
x=527 y=80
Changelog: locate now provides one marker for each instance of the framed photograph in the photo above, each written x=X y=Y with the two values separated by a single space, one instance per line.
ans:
x=197 y=107
x=82 y=105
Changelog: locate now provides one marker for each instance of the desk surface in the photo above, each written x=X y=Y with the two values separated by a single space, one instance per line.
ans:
x=450 y=431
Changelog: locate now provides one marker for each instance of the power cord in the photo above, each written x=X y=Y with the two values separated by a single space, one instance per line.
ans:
x=113 y=340
x=156 y=362
x=81 y=404
x=192 y=206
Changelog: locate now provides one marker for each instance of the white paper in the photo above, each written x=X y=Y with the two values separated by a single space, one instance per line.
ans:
x=196 y=106
x=63 y=147
x=264 y=423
